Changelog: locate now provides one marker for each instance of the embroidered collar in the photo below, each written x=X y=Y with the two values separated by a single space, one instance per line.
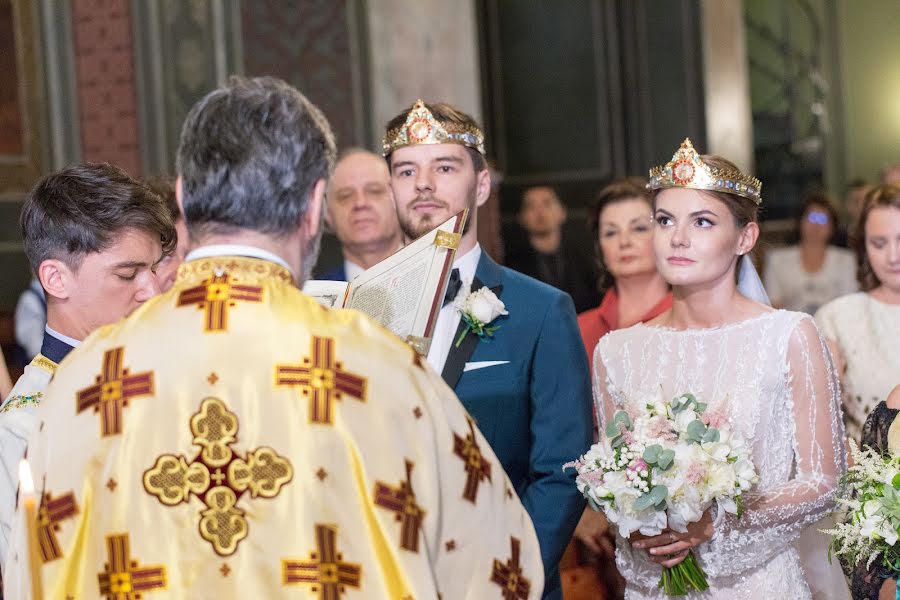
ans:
x=218 y=250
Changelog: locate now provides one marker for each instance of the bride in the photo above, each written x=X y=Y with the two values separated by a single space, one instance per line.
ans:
x=767 y=371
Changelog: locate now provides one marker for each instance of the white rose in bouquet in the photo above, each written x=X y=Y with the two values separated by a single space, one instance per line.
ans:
x=683 y=419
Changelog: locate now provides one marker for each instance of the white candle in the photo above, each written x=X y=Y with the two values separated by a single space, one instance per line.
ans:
x=26 y=489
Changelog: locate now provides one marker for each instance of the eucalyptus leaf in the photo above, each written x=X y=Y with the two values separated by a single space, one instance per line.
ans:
x=701 y=406
x=696 y=428
x=617 y=441
x=658 y=494
x=623 y=418
x=612 y=429
x=665 y=459
x=644 y=502
x=651 y=453
x=711 y=435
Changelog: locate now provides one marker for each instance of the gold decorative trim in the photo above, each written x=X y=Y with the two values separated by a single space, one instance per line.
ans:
x=45 y=364
x=447 y=239
x=250 y=270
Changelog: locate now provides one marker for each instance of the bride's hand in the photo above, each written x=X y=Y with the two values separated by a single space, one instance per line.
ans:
x=671 y=547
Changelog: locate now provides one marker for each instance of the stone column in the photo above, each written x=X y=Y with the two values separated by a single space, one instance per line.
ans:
x=729 y=122
x=426 y=49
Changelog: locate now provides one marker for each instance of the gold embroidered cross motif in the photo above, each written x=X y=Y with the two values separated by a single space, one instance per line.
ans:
x=402 y=501
x=123 y=578
x=215 y=296
x=322 y=379
x=477 y=467
x=325 y=570
x=218 y=476
x=114 y=387
x=509 y=576
x=51 y=512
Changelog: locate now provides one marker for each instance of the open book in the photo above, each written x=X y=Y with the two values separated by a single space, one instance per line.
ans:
x=404 y=292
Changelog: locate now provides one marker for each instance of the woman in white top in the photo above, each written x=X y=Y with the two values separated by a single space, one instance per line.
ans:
x=768 y=371
x=863 y=329
x=806 y=276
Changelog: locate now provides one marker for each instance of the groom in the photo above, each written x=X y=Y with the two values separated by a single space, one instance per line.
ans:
x=526 y=384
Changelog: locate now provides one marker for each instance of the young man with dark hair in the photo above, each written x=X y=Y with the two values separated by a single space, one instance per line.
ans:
x=93 y=237
x=164 y=187
x=279 y=448
x=526 y=386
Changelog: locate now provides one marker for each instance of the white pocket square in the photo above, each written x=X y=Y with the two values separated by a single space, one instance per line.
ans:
x=473 y=366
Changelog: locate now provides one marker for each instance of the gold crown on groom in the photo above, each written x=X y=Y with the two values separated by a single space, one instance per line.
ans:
x=687 y=170
x=421 y=127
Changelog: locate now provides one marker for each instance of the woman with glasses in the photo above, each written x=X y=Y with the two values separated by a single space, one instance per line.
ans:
x=813 y=272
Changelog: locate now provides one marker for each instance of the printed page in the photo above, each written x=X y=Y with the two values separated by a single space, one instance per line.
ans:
x=404 y=292
x=330 y=294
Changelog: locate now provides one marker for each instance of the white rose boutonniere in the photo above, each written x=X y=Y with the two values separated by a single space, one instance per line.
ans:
x=477 y=310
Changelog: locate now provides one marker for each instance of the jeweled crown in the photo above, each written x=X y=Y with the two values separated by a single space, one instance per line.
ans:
x=687 y=170
x=421 y=127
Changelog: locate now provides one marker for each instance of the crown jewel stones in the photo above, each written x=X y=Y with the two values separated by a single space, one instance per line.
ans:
x=421 y=127
x=687 y=170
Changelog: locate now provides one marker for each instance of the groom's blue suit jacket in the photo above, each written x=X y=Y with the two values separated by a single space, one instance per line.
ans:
x=535 y=406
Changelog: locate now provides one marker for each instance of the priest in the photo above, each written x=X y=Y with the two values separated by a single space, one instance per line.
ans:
x=232 y=438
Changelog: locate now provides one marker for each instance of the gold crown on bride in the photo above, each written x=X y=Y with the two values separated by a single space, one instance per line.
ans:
x=421 y=127
x=687 y=170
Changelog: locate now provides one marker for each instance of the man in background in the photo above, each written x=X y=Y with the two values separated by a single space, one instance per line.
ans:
x=361 y=212
x=93 y=237
x=548 y=255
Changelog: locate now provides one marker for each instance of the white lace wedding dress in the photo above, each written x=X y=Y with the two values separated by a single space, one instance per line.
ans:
x=772 y=376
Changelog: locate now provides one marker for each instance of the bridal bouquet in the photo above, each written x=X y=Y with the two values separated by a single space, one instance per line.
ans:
x=663 y=467
x=871 y=497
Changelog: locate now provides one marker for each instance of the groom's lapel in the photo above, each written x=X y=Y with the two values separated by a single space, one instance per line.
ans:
x=460 y=355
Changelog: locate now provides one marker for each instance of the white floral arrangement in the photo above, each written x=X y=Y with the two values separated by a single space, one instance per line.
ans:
x=662 y=468
x=870 y=495
x=477 y=310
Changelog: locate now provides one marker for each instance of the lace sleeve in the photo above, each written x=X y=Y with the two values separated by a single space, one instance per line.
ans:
x=775 y=515
x=604 y=404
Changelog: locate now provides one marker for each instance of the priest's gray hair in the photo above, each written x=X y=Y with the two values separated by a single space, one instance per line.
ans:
x=249 y=157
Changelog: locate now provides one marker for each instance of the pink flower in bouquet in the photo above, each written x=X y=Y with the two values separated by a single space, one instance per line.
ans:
x=715 y=418
x=696 y=473
x=659 y=427
x=638 y=465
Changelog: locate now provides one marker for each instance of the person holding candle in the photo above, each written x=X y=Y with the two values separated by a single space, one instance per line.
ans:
x=93 y=236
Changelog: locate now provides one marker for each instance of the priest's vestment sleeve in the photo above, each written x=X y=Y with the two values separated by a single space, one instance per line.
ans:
x=232 y=438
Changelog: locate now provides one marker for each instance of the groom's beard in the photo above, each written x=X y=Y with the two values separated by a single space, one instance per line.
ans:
x=413 y=230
